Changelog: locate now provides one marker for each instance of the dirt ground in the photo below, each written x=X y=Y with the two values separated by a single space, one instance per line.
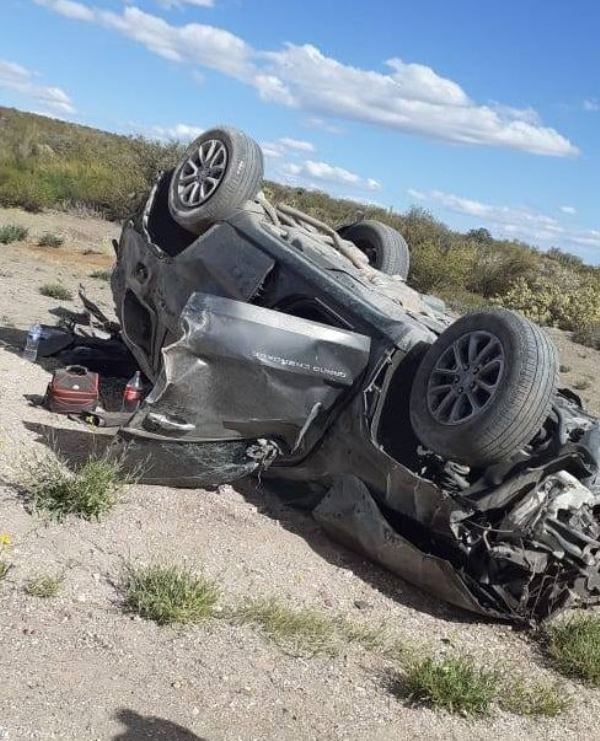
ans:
x=76 y=667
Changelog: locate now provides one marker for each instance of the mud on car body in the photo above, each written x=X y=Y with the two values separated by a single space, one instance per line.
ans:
x=438 y=447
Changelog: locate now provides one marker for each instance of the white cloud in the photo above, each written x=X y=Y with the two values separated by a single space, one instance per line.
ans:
x=514 y=222
x=408 y=97
x=168 y=4
x=298 y=144
x=192 y=43
x=591 y=105
x=20 y=80
x=330 y=173
x=286 y=145
x=179 y=132
x=70 y=8
x=571 y=210
x=272 y=150
x=412 y=98
x=314 y=122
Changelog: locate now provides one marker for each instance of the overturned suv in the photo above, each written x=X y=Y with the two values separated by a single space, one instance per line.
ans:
x=440 y=448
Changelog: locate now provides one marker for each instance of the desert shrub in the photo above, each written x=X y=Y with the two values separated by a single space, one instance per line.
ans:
x=44 y=587
x=564 y=258
x=548 y=302
x=573 y=645
x=455 y=684
x=169 y=594
x=12 y=233
x=57 y=291
x=435 y=268
x=45 y=163
x=496 y=268
x=101 y=274
x=460 y=300
x=89 y=492
x=50 y=240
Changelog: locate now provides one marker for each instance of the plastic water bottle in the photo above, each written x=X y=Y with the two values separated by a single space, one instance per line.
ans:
x=132 y=393
x=30 y=350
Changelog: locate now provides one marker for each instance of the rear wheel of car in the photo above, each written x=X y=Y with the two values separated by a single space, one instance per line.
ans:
x=385 y=247
x=218 y=172
x=484 y=388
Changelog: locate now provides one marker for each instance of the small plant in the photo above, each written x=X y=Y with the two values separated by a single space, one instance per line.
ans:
x=45 y=586
x=539 y=698
x=573 y=645
x=582 y=384
x=169 y=594
x=565 y=368
x=300 y=631
x=88 y=492
x=50 y=240
x=101 y=274
x=372 y=639
x=454 y=684
x=12 y=233
x=5 y=544
x=57 y=291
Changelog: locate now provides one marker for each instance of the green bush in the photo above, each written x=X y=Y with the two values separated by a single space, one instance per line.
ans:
x=89 y=492
x=45 y=163
x=455 y=684
x=101 y=274
x=573 y=646
x=496 y=268
x=57 y=291
x=169 y=594
x=12 y=233
x=551 y=303
x=50 y=240
x=436 y=268
x=45 y=586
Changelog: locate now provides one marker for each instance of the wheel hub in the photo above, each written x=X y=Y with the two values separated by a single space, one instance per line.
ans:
x=202 y=173
x=465 y=378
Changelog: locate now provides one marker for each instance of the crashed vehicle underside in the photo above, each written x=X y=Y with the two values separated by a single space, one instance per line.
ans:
x=439 y=448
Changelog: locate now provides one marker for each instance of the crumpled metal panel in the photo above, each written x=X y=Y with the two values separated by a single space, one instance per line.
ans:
x=543 y=556
x=241 y=371
x=349 y=514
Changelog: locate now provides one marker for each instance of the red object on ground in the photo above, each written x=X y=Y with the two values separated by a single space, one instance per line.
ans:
x=73 y=389
x=132 y=393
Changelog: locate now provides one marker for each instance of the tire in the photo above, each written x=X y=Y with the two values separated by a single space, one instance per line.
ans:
x=218 y=172
x=385 y=247
x=502 y=351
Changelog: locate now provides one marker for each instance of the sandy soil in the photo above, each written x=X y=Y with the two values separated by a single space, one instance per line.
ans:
x=76 y=667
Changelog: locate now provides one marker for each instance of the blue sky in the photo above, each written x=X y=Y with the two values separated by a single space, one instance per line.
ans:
x=487 y=114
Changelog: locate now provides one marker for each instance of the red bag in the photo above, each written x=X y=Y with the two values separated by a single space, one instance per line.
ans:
x=73 y=389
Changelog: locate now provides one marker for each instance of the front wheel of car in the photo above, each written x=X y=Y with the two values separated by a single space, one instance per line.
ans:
x=219 y=171
x=385 y=247
x=484 y=388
